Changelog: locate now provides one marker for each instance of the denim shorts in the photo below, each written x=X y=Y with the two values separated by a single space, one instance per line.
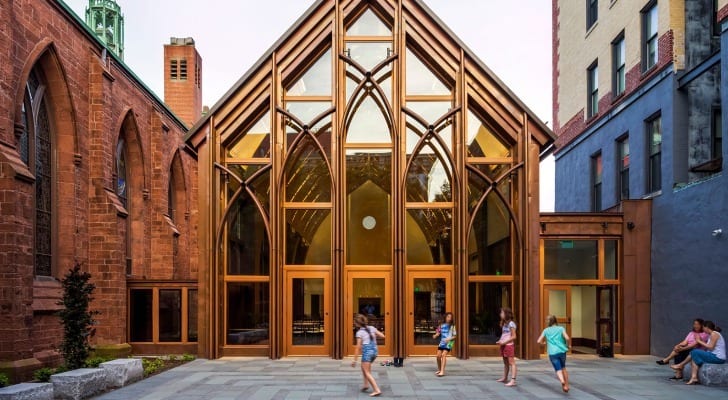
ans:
x=558 y=361
x=369 y=352
x=701 y=357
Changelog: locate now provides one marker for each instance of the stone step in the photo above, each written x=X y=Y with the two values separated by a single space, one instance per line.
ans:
x=122 y=371
x=79 y=384
x=27 y=391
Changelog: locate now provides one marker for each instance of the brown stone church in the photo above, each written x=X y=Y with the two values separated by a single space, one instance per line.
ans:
x=94 y=170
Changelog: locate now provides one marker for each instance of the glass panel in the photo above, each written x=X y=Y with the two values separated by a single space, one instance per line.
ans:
x=428 y=179
x=485 y=300
x=420 y=80
x=140 y=315
x=247 y=313
x=571 y=259
x=369 y=54
x=121 y=186
x=23 y=140
x=610 y=259
x=368 y=125
x=260 y=186
x=170 y=315
x=482 y=142
x=255 y=143
x=557 y=303
x=368 y=24
x=247 y=239
x=43 y=193
x=369 y=207
x=369 y=299
x=430 y=111
x=383 y=79
x=192 y=315
x=308 y=237
x=490 y=241
x=316 y=81
x=429 y=239
x=308 y=311
x=429 y=308
x=307 y=176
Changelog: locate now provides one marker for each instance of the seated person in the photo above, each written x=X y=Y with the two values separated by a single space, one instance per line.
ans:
x=681 y=351
x=714 y=352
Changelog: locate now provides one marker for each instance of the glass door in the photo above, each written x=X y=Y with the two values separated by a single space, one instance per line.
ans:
x=429 y=297
x=307 y=319
x=368 y=293
x=605 y=321
x=557 y=302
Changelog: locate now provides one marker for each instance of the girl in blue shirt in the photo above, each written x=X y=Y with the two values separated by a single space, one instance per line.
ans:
x=447 y=334
x=557 y=345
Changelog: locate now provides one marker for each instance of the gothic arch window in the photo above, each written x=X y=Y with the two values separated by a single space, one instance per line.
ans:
x=35 y=146
x=121 y=188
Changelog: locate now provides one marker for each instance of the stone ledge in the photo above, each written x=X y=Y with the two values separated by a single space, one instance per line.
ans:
x=27 y=391
x=123 y=371
x=710 y=374
x=79 y=384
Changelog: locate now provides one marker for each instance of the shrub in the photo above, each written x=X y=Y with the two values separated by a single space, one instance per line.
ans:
x=94 y=362
x=4 y=380
x=43 y=374
x=172 y=358
x=76 y=317
x=151 y=365
x=188 y=357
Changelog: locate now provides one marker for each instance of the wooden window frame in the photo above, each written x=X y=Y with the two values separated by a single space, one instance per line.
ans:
x=184 y=287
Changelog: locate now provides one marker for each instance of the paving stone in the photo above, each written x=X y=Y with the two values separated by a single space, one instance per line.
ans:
x=27 y=391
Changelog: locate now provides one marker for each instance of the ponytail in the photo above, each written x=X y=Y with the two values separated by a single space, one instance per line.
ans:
x=711 y=325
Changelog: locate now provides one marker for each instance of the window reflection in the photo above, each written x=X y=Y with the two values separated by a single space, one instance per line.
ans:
x=431 y=111
x=369 y=187
x=316 y=81
x=429 y=239
x=307 y=176
x=247 y=313
x=482 y=142
x=484 y=301
x=420 y=80
x=170 y=315
x=306 y=111
x=308 y=237
x=571 y=259
x=255 y=143
x=489 y=244
x=247 y=240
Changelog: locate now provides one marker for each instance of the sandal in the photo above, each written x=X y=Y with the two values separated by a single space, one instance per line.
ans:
x=676 y=378
x=512 y=383
x=661 y=362
x=364 y=389
x=693 y=382
x=375 y=394
x=501 y=380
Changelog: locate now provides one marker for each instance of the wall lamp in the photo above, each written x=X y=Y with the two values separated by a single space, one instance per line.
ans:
x=717 y=232
x=630 y=225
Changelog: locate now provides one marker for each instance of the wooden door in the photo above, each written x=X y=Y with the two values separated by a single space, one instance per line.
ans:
x=307 y=316
x=369 y=293
x=557 y=302
x=428 y=297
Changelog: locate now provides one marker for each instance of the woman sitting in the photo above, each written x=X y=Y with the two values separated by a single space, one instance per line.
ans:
x=681 y=352
x=714 y=352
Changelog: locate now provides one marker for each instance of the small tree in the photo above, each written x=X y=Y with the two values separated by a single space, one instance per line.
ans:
x=76 y=317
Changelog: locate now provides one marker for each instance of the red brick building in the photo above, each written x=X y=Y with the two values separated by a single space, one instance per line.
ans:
x=93 y=169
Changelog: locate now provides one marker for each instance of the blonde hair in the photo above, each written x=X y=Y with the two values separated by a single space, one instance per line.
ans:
x=552 y=320
x=361 y=321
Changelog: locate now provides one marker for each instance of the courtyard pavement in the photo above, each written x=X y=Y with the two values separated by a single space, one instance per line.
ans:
x=309 y=378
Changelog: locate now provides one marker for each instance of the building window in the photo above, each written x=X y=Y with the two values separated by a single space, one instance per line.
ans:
x=717 y=133
x=171 y=304
x=597 y=169
x=649 y=33
x=35 y=147
x=198 y=76
x=122 y=191
x=623 y=151
x=173 y=71
x=716 y=25
x=592 y=13
x=592 y=74
x=654 y=137
x=618 y=51
x=171 y=200
x=183 y=69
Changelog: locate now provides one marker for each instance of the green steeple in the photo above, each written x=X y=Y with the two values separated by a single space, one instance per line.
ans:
x=104 y=17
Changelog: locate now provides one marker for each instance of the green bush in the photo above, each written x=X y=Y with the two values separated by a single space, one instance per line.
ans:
x=76 y=317
x=4 y=380
x=152 y=365
x=94 y=362
x=43 y=374
x=188 y=357
x=172 y=358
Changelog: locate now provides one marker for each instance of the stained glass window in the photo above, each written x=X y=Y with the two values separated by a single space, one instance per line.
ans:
x=121 y=183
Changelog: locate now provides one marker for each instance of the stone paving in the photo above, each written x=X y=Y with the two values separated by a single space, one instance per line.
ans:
x=309 y=378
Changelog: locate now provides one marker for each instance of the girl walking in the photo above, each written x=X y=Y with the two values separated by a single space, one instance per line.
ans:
x=447 y=334
x=366 y=345
x=508 y=346
x=557 y=345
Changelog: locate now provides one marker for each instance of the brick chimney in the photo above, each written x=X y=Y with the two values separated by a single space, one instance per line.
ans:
x=183 y=79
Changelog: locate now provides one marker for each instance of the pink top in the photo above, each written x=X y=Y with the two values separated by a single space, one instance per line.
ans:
x=690 y=338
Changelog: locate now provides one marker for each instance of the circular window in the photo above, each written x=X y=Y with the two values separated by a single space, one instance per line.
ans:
x=369 y=222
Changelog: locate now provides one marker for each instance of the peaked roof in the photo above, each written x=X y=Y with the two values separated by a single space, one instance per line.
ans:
x=311 y=11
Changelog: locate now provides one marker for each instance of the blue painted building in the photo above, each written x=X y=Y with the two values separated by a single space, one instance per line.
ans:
x=657 y=134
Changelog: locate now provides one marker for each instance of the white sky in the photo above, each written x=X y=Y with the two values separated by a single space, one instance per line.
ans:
x=512 y=37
